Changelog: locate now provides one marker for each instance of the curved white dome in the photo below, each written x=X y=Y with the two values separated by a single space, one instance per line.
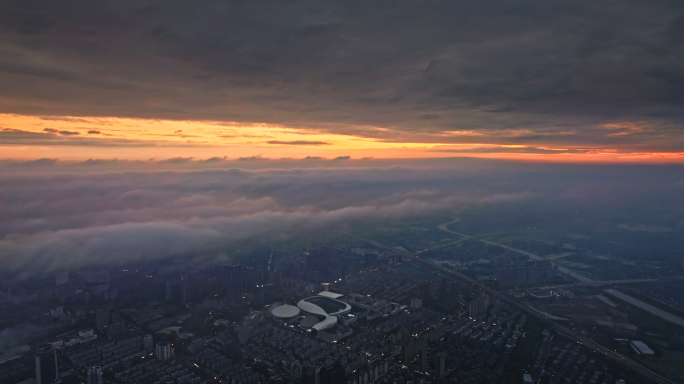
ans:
x=285 y=311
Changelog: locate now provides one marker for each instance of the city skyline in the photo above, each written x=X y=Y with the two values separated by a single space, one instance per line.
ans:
x=341 y=192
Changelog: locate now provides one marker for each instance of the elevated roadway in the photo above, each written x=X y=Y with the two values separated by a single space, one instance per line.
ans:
x=598 y=348
x=599 y=283
x=561 y=268
x=567 y=332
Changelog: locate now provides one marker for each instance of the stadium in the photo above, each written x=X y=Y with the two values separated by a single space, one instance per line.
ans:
x=325 y=307
x=285 y=312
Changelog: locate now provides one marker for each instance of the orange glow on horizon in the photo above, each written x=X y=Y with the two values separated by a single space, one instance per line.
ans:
x=80 y=138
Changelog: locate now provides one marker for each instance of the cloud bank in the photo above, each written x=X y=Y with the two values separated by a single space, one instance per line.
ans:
x=67 y=215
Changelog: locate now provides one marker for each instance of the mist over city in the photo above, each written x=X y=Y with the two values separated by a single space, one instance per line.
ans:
x=321 y=192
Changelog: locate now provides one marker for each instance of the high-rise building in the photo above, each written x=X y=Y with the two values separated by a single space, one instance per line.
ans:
x=243 y=333
x=404 y=333
x=477 y=308
x=46 y=365
x=423 y=360
x=438 y=332
x=521 y=274
x=185 y=292
x=178 y=290
x=95 y=375
x=451 y=300
x=163 y=352
x=534 y=274
x=502 y=262
x=408 y=350
x=117 y=325
x=148 y=343
x=443 y=288
x=57 y=312
x=506 y=276
x=332 y=373
x=424 y=290
x=103 y=317
x=422 y=342
x=374 y=372
x=296 y=369
x=197 y=345
x=526 y=273
x=441 y=364
x=172 y=290
x=233 y=276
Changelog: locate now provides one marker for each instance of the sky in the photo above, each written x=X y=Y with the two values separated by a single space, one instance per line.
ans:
x=541 y=81
x=149 y=129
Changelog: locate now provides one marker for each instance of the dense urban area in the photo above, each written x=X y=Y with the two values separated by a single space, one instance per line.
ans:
x=420 y=302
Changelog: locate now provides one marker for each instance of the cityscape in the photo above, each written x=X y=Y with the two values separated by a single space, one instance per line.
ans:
x=341 y=192
x=358 y=310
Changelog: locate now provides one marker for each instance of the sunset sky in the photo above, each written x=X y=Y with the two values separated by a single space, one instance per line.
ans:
x=167 y=163
x=560 y=81
x=134 y=130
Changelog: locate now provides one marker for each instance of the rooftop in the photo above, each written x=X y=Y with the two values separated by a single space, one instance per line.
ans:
x=285 y=311
x=329 y=294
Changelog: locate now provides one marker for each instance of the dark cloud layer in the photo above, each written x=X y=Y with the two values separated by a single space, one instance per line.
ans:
x=62 y=215
x=63 y=133
x=51 y=136
x=548 y=72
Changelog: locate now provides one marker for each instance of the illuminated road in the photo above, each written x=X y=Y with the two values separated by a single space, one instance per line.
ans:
x=584 y=280
x=443 y=227
x=595 y=284
x=562 y=269
x=598 y=348
x=378 y=245
x=646 y=307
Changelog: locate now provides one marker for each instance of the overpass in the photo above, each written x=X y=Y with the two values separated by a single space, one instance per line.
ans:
x=567 y=332
x=598 y=348
x=561 y=268
x=600 y=283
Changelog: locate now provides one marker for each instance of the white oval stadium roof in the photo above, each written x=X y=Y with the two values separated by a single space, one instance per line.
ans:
x=329 y=294
x=285 y=311
x=313 y=309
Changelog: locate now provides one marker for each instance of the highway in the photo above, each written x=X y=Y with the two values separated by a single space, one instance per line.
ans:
x=598 y=348
x=561 y=268
x=646 y=307
x=599 y=283
x=378 y=245
x=584 y=281
x=444 y=228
